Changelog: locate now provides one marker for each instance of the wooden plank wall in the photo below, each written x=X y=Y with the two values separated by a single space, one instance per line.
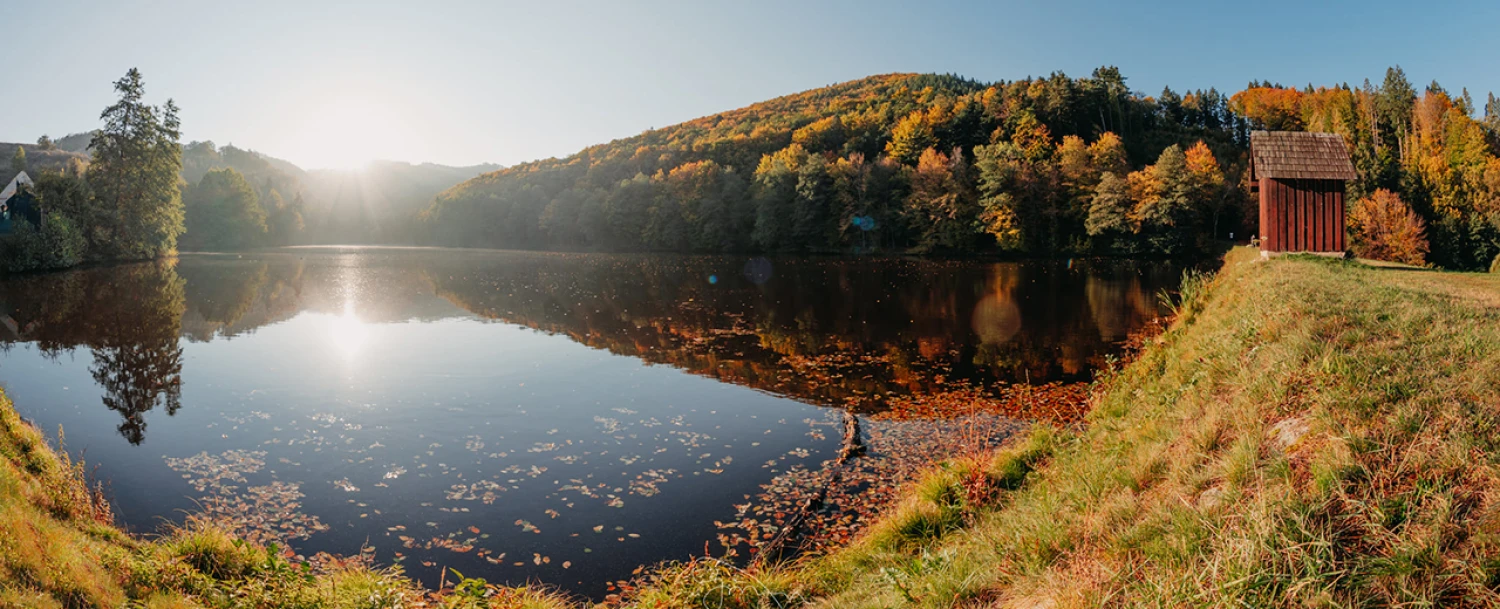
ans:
x=1301 y=215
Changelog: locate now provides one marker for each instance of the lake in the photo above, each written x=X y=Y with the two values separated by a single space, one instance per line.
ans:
x=560 y=418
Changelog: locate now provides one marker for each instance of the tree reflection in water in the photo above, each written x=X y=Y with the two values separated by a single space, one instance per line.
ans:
x=842 y=332
x=128 y=317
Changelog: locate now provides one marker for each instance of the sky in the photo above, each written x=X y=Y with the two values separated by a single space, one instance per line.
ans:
x=335 y=84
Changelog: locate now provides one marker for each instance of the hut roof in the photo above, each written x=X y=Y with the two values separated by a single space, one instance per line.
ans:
x=10 y=189
x=1300 y=155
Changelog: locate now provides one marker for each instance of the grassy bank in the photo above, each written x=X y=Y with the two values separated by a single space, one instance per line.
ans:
x=59 y=548
x=1308 y=433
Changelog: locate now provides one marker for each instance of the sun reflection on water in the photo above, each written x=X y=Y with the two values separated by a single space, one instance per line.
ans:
x=347 y=333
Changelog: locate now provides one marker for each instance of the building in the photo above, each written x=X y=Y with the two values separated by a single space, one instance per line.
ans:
x=1300 y=178
x=13 y=208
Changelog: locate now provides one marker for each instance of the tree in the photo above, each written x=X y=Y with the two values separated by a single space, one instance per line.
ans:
x=1109 y=210
x=57 y=244
x=941 y=201
x=283 y=219
x=1394 y=104
x=134 y=175
x=911 y=138
x=1164 y=209
x=224 y=212
x=811 y=224
x=18 y=160
x=1207 y=184
x=1383 y=227
x=775 y=191
x=1108 y=154
x=46 y=143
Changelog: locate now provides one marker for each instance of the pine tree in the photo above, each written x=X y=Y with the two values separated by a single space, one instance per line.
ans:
x=137 y=160
x=1109 y=210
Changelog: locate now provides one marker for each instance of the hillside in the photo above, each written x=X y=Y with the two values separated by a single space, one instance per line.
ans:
x=37 y=160
x=1038 y=166
x=378 y=203
x=374 y=204
x=842 y=168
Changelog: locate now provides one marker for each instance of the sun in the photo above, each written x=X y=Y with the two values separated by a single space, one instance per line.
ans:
x=349 y=132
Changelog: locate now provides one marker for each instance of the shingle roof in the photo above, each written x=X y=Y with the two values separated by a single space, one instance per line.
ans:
x=1300 y=155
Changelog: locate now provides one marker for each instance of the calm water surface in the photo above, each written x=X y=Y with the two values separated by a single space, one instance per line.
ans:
x=516 y=416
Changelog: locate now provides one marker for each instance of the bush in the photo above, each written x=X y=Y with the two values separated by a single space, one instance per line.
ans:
x=1383 y=227
x=58 y=244
x=1495 y=265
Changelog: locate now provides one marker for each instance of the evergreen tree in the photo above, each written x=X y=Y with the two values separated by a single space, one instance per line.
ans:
x=134 y=175
x=1394 y=103
x=1109 y=210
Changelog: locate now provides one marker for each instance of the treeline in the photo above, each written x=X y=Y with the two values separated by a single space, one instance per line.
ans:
x=901 y=162
x=1042 y=166
x=223 y=211
x=124 y=205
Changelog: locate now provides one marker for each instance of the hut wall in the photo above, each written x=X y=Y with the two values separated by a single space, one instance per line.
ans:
x=1300 y=215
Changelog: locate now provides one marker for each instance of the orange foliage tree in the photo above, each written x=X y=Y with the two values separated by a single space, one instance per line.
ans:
x=1270 y=108
x=1383 y=227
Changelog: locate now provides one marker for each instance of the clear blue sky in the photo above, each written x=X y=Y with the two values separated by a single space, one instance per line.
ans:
x=333 y=83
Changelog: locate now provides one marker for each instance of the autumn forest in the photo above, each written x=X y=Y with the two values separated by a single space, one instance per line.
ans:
x=945 y=165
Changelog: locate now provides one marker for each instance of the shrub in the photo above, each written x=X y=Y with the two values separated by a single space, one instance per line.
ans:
x=57 y=245
x=1383 y=227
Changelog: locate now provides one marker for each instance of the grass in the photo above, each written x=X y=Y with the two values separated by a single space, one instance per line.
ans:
x=1307 y=433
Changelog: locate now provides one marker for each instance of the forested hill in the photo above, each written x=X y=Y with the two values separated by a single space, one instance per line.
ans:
x=1055 y=165
x=896 y=161
x=375 y=204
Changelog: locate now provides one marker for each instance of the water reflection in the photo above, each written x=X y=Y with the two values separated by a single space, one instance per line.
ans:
x=129 y=320
x=442 y=406
x=851 y=333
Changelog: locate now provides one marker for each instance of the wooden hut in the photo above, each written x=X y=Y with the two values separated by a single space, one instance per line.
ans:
x=1300 y=177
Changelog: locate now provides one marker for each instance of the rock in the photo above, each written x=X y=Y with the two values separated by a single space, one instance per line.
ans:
x=1286 y=433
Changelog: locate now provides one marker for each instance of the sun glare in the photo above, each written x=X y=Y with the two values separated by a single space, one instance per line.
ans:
x=348 y=133
x=347 y=333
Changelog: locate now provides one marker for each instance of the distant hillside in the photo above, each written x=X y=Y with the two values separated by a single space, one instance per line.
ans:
x=841 y=168
x=376 y=204
x=37 y=160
